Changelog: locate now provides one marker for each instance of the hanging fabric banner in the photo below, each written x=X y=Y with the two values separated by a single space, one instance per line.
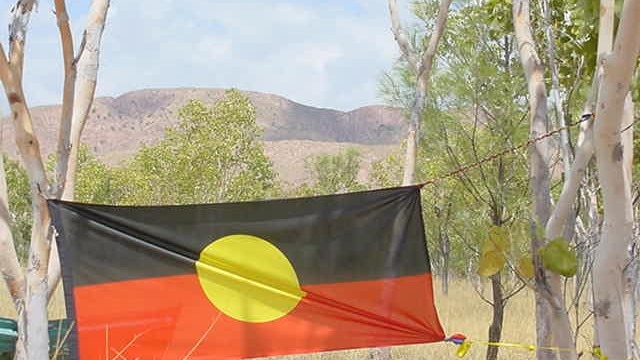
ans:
x=242 y=280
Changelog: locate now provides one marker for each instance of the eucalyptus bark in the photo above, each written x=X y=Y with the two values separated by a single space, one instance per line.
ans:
x=550 y=306
x=30 y=287
x=617 y=228
x=32 y=320
x=585 y=147
x=420 y=66
x=84 y=72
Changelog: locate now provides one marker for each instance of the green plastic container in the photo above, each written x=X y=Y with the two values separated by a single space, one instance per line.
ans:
x=58 y=331
x=8 y=335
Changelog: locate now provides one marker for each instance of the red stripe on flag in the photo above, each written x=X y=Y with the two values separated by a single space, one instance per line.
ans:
x=170 y=318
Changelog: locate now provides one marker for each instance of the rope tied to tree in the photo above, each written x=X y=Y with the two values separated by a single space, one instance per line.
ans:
x=492 y=157
x=464 y=346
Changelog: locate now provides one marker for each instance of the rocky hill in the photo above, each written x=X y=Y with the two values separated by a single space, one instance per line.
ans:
x=117 y=127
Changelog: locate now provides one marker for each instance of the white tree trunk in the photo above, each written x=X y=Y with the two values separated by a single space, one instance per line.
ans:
x=617 y=228
x=421 y=66
x=85 y=75
x=413 y=133
x=631 y=269
x=88 y=63
x=30 y=289
x=585 y=146
x=69 y=64
x=546 y=282
x=34 y=316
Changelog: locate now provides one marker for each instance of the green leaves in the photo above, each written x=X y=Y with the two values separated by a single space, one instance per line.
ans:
x=20 y=205
x=498 y=239
x=493 y=254
x=333 y=173
x=525 y=267
x=94 y=179
x=491 y=262
x=212 y=155
x=559 y=258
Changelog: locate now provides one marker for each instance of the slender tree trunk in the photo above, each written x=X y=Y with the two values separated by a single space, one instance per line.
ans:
x=445 y=263
x=421 y=66
x=617 y=228
x=411 y=152
x=88 y=63
x=556 y=95
x=495 y=329
x=539 y=155
x=85 y=74
x=632 y=270
x=585 y=149
x=544 y=335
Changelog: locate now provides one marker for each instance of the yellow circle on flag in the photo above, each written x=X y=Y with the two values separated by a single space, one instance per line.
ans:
x=248 y=278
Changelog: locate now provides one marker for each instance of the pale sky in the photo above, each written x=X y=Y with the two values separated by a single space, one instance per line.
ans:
x=324 y=53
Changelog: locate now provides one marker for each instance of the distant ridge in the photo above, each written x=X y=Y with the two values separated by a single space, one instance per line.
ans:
x=118 y=126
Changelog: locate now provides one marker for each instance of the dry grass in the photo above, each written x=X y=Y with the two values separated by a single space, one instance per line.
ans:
x=56 y=306
x=460 y=311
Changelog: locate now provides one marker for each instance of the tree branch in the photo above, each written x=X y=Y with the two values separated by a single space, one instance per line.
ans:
x=424 y=71
x=21 y=14
x=408 y=52
x=5 y=67
x=85 y=67
x=585 y=148
x=64 y=142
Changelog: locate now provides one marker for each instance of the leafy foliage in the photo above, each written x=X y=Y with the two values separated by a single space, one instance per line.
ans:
x=92 y=185
x=525 y=267
x=477 y=104
x=19 y=205
x=491 y=263
x=94 y=180
x=559 y=258
x=213 y=155
x=333 y=174
x=495 y=248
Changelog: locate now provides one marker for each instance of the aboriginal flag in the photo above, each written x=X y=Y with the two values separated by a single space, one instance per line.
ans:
x=250 y=279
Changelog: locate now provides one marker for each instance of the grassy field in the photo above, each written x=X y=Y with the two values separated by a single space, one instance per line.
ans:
x=461 y=310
